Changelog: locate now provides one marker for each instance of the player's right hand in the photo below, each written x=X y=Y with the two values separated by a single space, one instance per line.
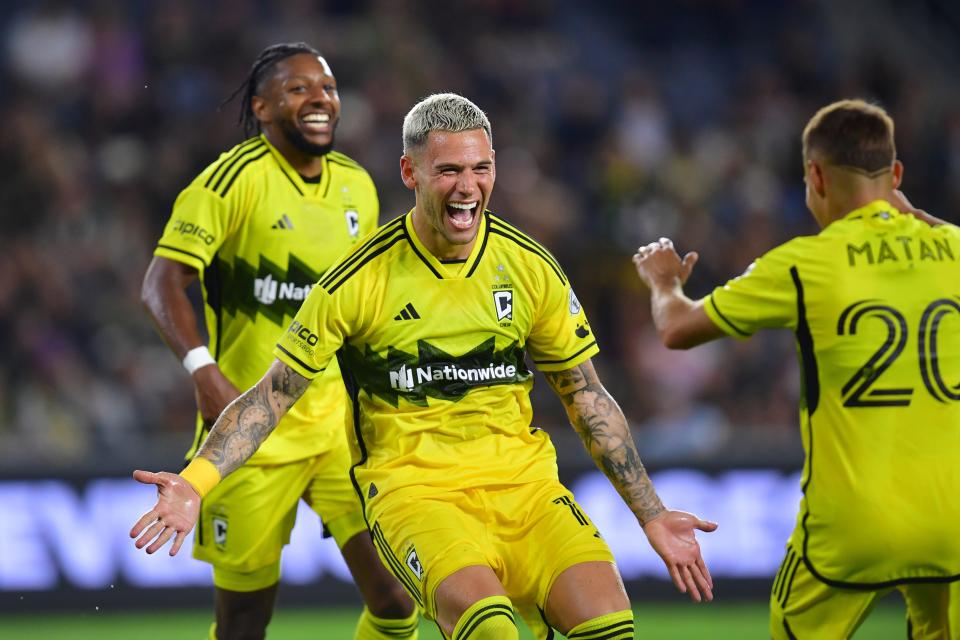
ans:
x=174 y=515
x=213 y=392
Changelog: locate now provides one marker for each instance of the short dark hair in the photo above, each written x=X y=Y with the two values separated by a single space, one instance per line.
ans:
x=253 y=83
x=852 y=133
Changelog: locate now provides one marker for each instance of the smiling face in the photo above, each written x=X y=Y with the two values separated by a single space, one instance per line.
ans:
x=298 y=105
x=452 y=175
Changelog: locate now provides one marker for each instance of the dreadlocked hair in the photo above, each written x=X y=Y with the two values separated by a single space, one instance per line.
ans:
x=252 y=84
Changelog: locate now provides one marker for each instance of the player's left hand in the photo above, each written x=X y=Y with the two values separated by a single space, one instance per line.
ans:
x=176 y=511
x=672 y=536
x=659 y=265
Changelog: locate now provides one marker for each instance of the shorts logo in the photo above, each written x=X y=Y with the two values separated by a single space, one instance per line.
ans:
x=220 y=532
x=353 y=222
x=574 y=303
x=414 y=563
x=503 y=302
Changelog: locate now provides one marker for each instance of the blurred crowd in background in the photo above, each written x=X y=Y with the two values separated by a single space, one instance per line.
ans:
x=614 y=123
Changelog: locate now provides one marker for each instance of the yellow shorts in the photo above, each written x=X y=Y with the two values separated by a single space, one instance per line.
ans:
x=528 y=534
x=247 y=519
x=801 y=606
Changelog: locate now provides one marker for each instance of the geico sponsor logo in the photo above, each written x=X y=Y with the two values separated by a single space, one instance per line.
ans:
x=406 y=378
x=303 y=333
x=190 y=229
x=267 y=290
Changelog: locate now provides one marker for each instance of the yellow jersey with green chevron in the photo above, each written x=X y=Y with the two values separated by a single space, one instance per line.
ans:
x=261 y=235
x=436 y=355
x=874 y=300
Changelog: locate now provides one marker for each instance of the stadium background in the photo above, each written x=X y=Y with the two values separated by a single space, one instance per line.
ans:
x=614 y=123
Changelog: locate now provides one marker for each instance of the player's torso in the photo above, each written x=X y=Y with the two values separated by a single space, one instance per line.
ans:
x=882 y=304
x=439 y=364
x=290 y=233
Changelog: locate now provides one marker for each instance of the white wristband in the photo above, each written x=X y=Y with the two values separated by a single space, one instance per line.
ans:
x=196 y=358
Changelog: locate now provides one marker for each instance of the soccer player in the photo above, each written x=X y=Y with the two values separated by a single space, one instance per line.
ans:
x=874 y=300
x=258 y=227
x=433 y=315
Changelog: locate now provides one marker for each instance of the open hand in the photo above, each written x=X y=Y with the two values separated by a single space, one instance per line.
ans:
x=672 y=536
x=659 y=265
x=175 y=514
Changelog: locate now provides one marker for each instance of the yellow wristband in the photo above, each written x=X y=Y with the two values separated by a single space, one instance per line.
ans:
x=202 y=475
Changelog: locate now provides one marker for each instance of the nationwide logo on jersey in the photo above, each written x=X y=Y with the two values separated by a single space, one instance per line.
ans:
x=266 y=289
x=433 y=373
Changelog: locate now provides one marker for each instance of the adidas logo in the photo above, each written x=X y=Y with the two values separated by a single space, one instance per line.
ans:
x=283 y=223
x=408 y=313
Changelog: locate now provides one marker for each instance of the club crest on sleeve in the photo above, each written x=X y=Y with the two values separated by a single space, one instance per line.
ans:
x=574 y=303
x=413 y=562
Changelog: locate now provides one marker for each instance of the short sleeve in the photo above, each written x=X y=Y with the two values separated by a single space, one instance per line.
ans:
x=316 y=333
x=763 y=297
x=561 y=337
x=200 y=221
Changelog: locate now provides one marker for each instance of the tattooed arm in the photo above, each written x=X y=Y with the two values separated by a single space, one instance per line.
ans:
x=248 y=420
x=603 y=429
x=237 y=434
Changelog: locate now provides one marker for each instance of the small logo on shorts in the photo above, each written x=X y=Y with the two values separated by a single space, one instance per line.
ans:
x=414 y=563
x=220 y=532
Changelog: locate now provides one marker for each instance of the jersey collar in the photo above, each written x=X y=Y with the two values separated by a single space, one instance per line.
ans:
x=295 y=179
x=873 y=210
x=433 y=263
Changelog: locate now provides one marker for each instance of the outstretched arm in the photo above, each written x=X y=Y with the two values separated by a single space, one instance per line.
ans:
x=236 y=435
x=603 y=429
x=681 y=322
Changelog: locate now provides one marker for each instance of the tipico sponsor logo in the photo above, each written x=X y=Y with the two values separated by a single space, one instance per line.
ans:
x=267 y=290
x=407 y=378
x=185 y=228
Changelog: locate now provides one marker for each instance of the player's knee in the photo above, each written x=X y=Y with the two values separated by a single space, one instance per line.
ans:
x=610 y=626
x=371 y=627
x=488 y=619
x=390 y=600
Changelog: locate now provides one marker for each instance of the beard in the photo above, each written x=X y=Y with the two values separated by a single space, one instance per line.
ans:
x=303 y=145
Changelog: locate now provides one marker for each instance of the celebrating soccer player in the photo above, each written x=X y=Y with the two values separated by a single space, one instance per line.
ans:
x=432 y=317
x=257 y=227
x=874 y=300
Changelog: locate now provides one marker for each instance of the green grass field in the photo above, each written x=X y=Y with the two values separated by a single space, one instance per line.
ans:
x=656 y=622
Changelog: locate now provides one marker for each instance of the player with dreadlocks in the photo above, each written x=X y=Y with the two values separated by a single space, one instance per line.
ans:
x=258 y=227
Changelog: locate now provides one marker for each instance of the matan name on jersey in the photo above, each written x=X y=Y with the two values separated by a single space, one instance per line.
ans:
x=267 y=290
x=407 y=378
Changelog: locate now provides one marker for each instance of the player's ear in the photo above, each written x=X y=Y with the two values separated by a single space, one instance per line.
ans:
x=406 y=172
x=815 y=178
x=897 y=173
x=261 y=109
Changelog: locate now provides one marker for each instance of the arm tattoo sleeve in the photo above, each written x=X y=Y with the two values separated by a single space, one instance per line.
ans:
x=603 y=429
x=248 y=420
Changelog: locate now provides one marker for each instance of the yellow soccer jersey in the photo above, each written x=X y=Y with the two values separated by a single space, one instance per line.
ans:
x=874 y=300
x=437 y=355
x=261 y=236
